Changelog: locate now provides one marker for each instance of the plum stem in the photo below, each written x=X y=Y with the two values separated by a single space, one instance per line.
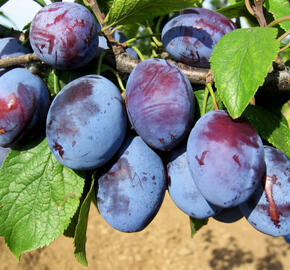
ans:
x=100 y=61
x=209 y=87
x=156 y=41
x=204 y=102
x=139 y=53
x=118 y=79
x=249 y=7
x=56 y=87
x=279 y=20
x=284 y=35
x=285 y=47
x=115 y=29
x=281 y=38
x=139 y=37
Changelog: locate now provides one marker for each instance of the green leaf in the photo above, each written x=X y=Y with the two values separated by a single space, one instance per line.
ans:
x=196 y=224
x=105 y=5
x=240 y=62
x=38 y=197
x=286 y=112
x=130 y=30
x=40 y=2
x=135 y=11
x=279 y=8
x=70 y=230
x=2 y=2
x=270 y=127
x=81 y=228
x=2 y=14
x=52 y=82
x=233 y=11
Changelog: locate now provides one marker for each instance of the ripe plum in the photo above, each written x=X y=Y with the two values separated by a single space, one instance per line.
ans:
x=287 y=238
x=226 y=158
x=229 y=215
x=3 y=154
x=160 y=103
x=24 y=102
x=11 y=47
x=86 y=123
x=182 y=188
x=191 y=37
x=268 y=209
x=131 y=192
x=64 y=35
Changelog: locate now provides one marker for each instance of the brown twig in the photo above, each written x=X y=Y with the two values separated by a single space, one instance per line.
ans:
x=258 y=12
x=95 y=8
x=279 y=20
x=18 y=60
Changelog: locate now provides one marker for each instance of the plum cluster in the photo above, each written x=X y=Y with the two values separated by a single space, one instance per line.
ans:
x=148 y=143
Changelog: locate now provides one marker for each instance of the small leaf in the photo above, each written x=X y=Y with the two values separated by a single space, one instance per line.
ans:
x=279 y=8
x=240 y=62
x=135 y=11
x=81 y=228
x=286 y=112
x=233 y=11
x=40 y=2
x=38 y=197
x=196 y=224
x=2 y=14
x=52 y=83
x=270 y=127
x=2 y=2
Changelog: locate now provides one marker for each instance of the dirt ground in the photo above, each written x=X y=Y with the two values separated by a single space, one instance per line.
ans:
x=164 y=244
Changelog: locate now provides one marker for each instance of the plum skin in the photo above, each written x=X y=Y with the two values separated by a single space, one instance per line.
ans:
x=183 y=190
x=130 y=193
x=86 y=123
x=229 y=215
x=226 y=158
x=3 y=153
x=64 y=35
x=24 y=102
x=11 y=47
x=160 y=103
x=268 y=209
x=191 y=37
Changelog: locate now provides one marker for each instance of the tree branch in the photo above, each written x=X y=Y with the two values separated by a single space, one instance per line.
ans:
x=10 y=61
x=95 y=8
x=125 y=64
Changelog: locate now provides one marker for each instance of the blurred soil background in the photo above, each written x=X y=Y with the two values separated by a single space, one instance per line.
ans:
x=165 y=244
